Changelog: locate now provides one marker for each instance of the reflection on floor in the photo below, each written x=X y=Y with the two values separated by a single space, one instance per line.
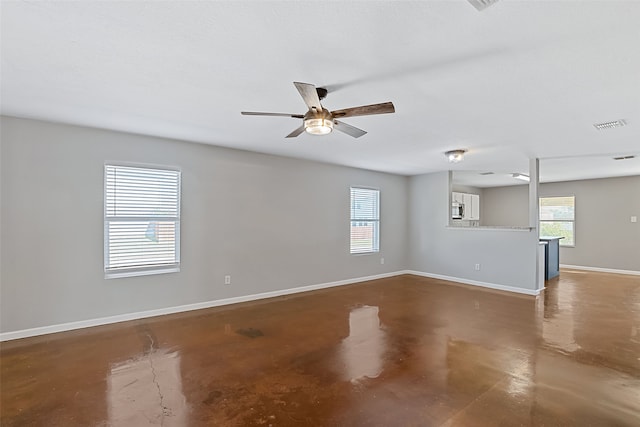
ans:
x=363 y=349
x=393 y=352
x=147 y=389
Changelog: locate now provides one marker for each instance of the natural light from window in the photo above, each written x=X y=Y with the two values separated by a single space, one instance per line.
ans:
x=557 y=218
x=142 y=221
x=365 y=220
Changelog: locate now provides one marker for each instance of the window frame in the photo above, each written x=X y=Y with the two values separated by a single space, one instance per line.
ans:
x=150 y=268
x=375 y=244
x=572 y=221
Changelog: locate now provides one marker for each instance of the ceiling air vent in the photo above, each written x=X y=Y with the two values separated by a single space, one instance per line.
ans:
x=486 y=173
x=610 y=125
x=482 y=4
x=624 y=157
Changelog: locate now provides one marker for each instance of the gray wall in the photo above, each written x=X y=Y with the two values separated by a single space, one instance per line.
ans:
x=505 y=206
x=507 y=258
x=605 y=235
x=272 y=223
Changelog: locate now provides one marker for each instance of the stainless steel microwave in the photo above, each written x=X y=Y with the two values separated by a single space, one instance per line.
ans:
x=457 y=210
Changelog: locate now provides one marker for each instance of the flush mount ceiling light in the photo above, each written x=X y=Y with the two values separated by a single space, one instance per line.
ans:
x=610 y=125
x=455 y=156
x=520 y=176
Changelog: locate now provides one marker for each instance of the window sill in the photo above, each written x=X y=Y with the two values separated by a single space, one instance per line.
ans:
x=135 y=273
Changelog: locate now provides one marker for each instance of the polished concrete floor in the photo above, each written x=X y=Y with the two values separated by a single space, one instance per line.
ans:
x=404 y=351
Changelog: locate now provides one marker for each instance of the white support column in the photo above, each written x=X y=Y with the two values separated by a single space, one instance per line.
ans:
x=534 y=217
x=450 y=198
x=534 y=180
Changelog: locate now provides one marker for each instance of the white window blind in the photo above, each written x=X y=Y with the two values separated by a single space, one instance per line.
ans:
x=141 y=221
x=557 y=218
x=365 y=220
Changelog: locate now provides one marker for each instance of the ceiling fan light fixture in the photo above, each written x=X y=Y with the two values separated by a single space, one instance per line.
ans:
x=455 y=156
x=316 y=126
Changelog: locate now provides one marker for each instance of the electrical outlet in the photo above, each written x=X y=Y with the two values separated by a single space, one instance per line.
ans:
x=381 y=260
x=227 y=280
x=477 y=267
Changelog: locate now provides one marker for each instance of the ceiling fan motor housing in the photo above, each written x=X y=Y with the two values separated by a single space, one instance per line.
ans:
x=322 y=93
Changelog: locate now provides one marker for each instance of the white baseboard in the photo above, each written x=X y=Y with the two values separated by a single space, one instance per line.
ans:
x=478 y=283
x=601 y=270
x=24 y=333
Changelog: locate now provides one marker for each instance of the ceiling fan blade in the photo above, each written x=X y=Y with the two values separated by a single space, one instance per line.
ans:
x=365 y=110
x=309 y=94
x=348 y=129
x=296 y=132
x=255 y=113
x=480 y=5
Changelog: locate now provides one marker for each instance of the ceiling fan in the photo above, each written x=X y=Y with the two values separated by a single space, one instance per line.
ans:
x=320 y=121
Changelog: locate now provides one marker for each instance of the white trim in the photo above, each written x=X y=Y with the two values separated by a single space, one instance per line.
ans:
x=159 y=166
x=601 y=270
x=24 y=333
x=495 y=286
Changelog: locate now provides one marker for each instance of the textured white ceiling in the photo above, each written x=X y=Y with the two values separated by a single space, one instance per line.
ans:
x=521 y=79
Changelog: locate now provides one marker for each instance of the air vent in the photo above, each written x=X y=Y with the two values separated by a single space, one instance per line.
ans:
x=486 y=173
x=610 y=125
x=624 y=157
x=482 y=4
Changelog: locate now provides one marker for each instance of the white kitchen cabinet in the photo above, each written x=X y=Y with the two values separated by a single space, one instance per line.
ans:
x=457 y=197
x=471 y=204
x=474 y=214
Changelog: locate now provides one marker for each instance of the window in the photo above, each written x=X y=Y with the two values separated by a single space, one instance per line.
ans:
x=557 y=218
x=365 y=220
x=141 y=221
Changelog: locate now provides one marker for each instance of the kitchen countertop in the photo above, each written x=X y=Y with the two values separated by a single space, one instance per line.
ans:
x=491 y=227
